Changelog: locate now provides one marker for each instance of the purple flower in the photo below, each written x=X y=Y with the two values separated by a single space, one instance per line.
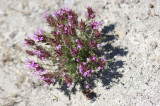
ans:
x=33 y=72
x=58 y=12
x=34 y=52
x=32 y=65
x=62 y=12
x=54 y=14
x=99 y=68
x=76 y=40
x=95 y=23
x=68 y=9
x=70 y=17
x=69 y=24
x=84 y=63
x=88 y=59
x=64 y=74
x=57 y=59
x=35 y=37
x=68 y=84
x=79 y=46
x=57 y=32
x=104 y=58
x=88 y=71
x=36 y=65
x=85 y=74
x=60 y=26
x=38 y=75
x=90 y=24
x=41 y=38
x=100 y=23
x=92 y=16
x=47 y=84
x=94 y=58
x=28 y=60
x=80 y=68
x=92 y=71
x=58 y=47
x=45 y=15
x=65 y=32
x=53 y=80
x=45 y=71
x=75 y=50
x=25 y=42
x=88 y=7
x=77 y=60
x=87 y=13
x=65 y=28
x=95 y=27
x=87 y=86
x=88 y=74
x=42 y=79
x=42 y=58
x=99 y=45
x=39 y=53
x=40 y=71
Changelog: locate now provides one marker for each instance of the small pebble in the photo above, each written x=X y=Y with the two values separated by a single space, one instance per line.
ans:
x=151 y=5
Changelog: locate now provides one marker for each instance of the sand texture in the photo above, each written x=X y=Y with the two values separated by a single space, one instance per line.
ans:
x=132 y=28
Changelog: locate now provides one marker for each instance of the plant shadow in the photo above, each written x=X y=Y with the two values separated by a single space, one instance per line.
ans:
x=109 y=76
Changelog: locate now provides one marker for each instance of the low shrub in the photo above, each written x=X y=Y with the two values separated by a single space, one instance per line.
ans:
x=71 y=45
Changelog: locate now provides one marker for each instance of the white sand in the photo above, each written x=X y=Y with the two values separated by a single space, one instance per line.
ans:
x=136 y=50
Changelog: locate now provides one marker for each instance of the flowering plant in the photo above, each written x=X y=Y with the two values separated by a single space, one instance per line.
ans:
x=72 y=45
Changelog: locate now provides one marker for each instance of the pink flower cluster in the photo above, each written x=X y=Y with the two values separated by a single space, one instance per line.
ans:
x=95 y=25
x=71 y=44
x=90 y=13
x=86 y=70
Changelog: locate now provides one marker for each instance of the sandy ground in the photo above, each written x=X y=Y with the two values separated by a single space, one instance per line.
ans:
x=132 y=28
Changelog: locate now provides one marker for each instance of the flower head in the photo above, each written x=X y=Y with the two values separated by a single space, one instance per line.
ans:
x=92 y=71
x=99 y=68
x=76 y=40
x=57 y=32
x=58 y=47
x=69 y=24
x=79 y=46
x=94 y=58
x=40 y=71
x=104 y=58
x=80 y=68
x=53 y=80
x=84 y=63
x=45 y=15
x=88 y=59
x=99 y=45
x=42 y=79
x=92 y=44
x=68 y=84
x=64 y=74
x=57 y=59
x=87 y=86
x=77 y=60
